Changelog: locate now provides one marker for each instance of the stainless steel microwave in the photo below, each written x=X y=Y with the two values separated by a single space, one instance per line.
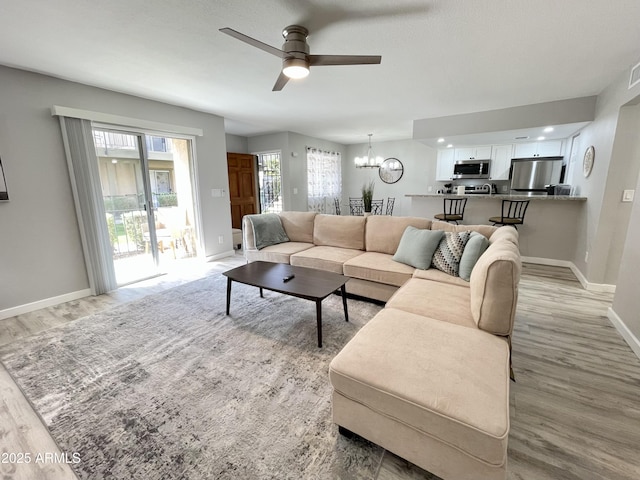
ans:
x=471 y=169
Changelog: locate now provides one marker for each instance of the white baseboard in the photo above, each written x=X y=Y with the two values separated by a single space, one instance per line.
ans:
x=44 y=303
x=218 y=256
x=622 y=328
x=592 y=287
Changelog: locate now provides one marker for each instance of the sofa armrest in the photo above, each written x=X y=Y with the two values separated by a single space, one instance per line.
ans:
x=494 y=287
x=248 y=239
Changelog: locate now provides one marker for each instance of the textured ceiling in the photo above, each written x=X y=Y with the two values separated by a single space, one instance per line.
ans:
x=439 y=57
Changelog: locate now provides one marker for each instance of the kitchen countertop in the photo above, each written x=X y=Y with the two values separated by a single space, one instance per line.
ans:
x=499 y=196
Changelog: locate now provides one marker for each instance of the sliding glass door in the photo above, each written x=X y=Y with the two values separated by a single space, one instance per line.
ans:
x=126 y=193
x=149 y=203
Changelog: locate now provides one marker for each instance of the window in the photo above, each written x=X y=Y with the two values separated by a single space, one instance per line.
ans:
x=269 y=180
x=324 y=179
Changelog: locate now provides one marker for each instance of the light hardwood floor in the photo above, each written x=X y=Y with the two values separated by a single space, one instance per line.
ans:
x=575 y=408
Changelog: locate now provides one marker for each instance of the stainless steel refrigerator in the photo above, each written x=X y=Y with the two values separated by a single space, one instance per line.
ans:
x=529 y=176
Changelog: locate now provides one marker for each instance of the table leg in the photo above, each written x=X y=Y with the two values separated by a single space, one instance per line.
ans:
x=228 y=294
x=261 y=295
x=319 y=319
x=344 y=303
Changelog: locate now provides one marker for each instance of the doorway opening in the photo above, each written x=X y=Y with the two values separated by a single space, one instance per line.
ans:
x=147 y=190
x=270 y=182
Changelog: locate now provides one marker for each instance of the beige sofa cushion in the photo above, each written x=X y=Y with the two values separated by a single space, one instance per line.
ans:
x=383 y=232
x=378 y=267
x=438 y=276
x=339 y=231
x=326 y=258
x=277 y=253
x=494 y=287
x=298 y=225
x=442 y=301
x=486 y=230
x=505 y=233
x=447 y=381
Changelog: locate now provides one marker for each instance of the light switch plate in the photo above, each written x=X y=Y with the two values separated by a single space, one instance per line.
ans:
x=627 y=195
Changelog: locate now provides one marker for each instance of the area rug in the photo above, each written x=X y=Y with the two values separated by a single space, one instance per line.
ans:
x=169 y=387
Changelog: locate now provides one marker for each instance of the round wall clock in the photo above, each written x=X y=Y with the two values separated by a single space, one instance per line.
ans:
x=391 y=170
x=587 y=163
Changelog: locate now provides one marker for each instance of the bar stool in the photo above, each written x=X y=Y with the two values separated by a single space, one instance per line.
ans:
x=512 y=213
x=453 y=210
x=336 y=202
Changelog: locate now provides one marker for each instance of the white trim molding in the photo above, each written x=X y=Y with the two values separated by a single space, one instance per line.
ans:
x=44 y=303
x=622 y=328
x=111 y=119
x=218 y=256
x=592 y=287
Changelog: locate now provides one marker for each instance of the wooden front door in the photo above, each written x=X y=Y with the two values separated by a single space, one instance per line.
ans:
x=242 y=169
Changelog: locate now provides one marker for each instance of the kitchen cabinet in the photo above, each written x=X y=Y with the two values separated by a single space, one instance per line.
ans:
x=473 y=153
x=444 y=166
x=552 y=148
x=501 y=156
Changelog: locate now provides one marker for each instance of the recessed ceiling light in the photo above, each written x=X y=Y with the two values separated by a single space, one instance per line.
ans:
x=440 y=140
x=540 y=138
x=450 y=145
x=548 y=129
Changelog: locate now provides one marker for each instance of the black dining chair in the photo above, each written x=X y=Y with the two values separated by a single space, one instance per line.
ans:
x=336 y=201
x=390 y=202
x=356 y=206
x=513 y=212
x=376 y=207
x=453 y=210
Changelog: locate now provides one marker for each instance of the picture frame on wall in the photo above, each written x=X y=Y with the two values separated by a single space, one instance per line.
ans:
x=4 y=194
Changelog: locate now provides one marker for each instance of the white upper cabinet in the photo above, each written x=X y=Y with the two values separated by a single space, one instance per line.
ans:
x=473 y=153
x=501 y=156
x=552 y=148
x=444 y=167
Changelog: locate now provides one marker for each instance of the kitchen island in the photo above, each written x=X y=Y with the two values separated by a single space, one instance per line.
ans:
x=552 y=225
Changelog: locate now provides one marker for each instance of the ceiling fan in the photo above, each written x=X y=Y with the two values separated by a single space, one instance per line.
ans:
x=296 y=59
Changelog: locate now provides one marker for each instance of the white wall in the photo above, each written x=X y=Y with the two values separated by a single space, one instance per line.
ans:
x=419 y=162
x=40 y=252
x=293 y=148
x=614 y=169
x=236 y=143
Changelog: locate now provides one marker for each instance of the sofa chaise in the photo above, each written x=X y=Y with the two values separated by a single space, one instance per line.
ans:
x=427 y=378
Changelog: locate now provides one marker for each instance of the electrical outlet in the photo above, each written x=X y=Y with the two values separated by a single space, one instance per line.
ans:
x=586 y=257
x=295 y=191
x=504 y=189
x=429 y=188
x=221 y=239
x=627 y=195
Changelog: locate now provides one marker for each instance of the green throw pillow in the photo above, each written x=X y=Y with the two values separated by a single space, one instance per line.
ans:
x=447 y=256
x=475 y=247
x=416 y=247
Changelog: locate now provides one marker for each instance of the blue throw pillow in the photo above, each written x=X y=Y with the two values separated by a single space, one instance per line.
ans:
x=475 y=247
x=416 y=247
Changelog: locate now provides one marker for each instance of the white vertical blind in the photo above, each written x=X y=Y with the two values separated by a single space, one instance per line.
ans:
x=87 y=193
x=324 y=179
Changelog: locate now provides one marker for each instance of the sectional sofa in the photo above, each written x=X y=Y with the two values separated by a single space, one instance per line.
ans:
x=428 y=377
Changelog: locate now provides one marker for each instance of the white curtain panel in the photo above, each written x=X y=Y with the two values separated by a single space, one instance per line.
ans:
x=87 y=193
x=324 y=179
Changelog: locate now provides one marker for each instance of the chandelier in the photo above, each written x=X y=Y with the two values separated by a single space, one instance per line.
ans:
x=369 y=160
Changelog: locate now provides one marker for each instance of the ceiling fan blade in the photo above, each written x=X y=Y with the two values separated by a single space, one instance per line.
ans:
x=253 y=42
x=316 y=60
x=280 y=82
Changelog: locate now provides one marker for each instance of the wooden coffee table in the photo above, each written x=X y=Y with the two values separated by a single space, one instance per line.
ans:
x=307 y=283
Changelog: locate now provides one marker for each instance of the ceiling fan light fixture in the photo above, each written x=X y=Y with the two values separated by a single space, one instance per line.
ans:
x=295 y=68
